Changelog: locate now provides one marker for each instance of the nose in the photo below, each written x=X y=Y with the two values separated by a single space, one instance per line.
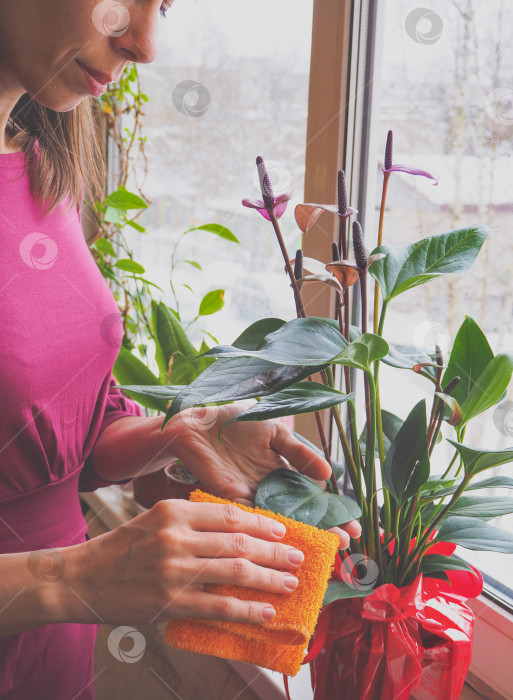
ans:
x=139 y=42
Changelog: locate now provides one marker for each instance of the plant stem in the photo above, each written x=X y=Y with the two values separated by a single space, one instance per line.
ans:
x=380 y=241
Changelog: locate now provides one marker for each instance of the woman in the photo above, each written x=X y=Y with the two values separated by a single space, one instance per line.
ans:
x=65 y=427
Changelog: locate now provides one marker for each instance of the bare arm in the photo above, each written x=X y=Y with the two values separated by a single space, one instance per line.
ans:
x=132 y=446
x=37 y=588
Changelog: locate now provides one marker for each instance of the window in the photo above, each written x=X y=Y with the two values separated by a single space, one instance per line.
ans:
x=230 y=83
x=443 y=89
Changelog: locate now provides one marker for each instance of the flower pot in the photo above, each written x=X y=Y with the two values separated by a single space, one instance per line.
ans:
x=395 y=643
x=173 y=481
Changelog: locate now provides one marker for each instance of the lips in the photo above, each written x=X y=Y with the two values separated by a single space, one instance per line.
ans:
x=102 y=78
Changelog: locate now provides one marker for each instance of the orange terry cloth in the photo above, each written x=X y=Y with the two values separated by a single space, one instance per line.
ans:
x=281 y=643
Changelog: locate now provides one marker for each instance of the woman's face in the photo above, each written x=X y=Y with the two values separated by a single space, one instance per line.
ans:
x=41 y=41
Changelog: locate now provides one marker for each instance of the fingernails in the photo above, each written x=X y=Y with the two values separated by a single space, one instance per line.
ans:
x=268 y=613
x=295 y=556
x=279 y=529
x=290 y=581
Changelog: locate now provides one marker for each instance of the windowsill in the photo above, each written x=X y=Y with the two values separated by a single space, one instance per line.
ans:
x=493 y=632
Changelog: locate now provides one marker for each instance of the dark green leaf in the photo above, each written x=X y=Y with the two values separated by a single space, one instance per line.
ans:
x=391 y=426
x=338 y=589
x=212 y=302
x=494 y=482
x=406 y=466
x=129 y=369
x=473 y=533
x=251 y=338
x=434 y=563
x=302 y=341
x=296 y=496
x=476 y=460
x=303 y=397
x=218 y=230
x=485 y=507
x=406 y=267
x=408 y=359
x=238 y=378
x=170 y=338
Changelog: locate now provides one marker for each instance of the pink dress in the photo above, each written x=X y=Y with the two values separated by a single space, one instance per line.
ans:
x=59 y=338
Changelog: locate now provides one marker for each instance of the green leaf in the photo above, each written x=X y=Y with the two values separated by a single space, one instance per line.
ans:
x=122 y=199
x=105 y=246
x=470 y=355
x=218 y=230
x=296 y=496
x=363 y=351
x=113 y=215
x=212 y=302
x=435 y=563
x=129 y=266
x=409 y=360
x=338 y=468
x=170 y=338
x=129 y=369
x=302 y=341
x=477 y=460
x=494 y=482
x=193 y=263
x=254 y=334
x=406 y=267
x=303 y=397
x=485 y=507
x=489 y=387
x=473 y=533
x=238 y=378
x=135 y=225
x=338 y=590
x=391 y=426
x=183 y=371
x=406 y=466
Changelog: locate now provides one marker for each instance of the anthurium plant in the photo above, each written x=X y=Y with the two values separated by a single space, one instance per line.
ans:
x=407 y=508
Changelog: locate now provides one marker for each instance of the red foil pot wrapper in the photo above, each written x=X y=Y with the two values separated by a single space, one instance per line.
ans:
x=392 y=642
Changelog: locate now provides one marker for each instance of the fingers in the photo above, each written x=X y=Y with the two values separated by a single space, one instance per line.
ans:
x=224 y=517
x=353 y=528
x=241 y=572
x=240 y=545
x=300 y=456
x=218 y=607
x=346 y=531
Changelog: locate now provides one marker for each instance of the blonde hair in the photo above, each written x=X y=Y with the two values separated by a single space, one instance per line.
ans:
x=71 y=161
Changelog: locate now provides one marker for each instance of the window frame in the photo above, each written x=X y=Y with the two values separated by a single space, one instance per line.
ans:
x=346 y=51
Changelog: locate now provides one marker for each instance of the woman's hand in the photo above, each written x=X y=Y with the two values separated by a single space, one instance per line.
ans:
x=152 y=568
x=249 y=451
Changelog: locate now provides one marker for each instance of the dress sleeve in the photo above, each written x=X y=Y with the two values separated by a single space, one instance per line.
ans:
x=117 y=406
